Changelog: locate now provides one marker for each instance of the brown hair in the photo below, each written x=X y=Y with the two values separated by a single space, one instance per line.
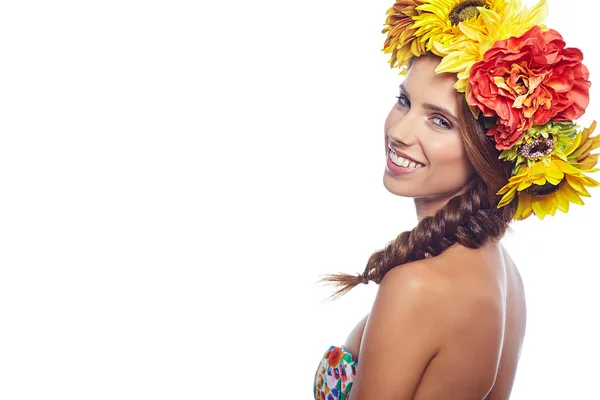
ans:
x=470 y=219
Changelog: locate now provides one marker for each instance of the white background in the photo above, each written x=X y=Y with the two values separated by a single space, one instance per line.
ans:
x=176 y=176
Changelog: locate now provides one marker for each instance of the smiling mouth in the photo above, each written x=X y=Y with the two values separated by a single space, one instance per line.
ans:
x=403 y=162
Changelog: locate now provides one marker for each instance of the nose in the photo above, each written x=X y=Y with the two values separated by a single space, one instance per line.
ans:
x=401 y=127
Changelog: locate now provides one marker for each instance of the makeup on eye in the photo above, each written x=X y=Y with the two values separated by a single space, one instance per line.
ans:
x=444 y=124
x=445 y=114
x=403 y=101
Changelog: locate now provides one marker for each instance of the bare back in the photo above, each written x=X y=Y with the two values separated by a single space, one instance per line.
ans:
x=484 y=325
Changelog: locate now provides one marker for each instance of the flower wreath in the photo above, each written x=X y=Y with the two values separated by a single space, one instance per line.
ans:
x=518 y=74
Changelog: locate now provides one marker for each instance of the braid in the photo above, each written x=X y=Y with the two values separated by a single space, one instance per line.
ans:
x=468 y=219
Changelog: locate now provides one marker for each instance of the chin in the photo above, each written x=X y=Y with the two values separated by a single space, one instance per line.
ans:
x=403 y=188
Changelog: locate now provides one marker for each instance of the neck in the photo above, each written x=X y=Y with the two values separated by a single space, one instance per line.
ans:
x=428 y=206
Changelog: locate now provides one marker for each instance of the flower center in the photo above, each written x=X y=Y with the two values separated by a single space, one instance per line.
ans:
x=537 y=148
x=544 y=190
x=465 y=10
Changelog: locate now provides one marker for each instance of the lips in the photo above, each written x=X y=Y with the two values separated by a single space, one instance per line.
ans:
x=404 y=155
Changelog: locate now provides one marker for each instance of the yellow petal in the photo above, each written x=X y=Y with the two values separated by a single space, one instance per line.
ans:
x=552 y=205
x=584 y=192
x=584 y=149
x=538 y=169
x=432 y=8
x=538 y=209
x=563 y=202
x=574 y=145
x=523 y=171
x=507 y=197
x=585 y=134
x=471 y=32
x=567 y=168
x=524 y=185
x=575 y=183
x=588 y=162
x=571 y=195
x=554 y=172
x=490 y=19
x=524 y=209
x=553 y=181
x=594 y=144
x=589 y=182
x=537 y=14
x=507 y=189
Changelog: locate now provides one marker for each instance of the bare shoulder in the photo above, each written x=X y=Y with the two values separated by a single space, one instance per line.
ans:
x=476 y=280
x=418 y=311
x=456 y=289
x=418 y=276
x=459 y=268
x=457 y=280
x=401 y=335
x=414 y=290
x=416 y=284
x=437 y=326
x=424 y=292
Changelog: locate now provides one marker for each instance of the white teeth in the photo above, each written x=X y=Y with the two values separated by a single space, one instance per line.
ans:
x=403 y=162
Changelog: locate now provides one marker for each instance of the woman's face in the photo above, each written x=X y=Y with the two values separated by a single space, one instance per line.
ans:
x=422 y=136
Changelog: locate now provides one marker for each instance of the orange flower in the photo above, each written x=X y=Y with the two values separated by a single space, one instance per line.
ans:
x=526 y=80
x=334 y=356
x=401 y=40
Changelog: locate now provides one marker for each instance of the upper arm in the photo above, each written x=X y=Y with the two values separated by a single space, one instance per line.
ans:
x=401 y=337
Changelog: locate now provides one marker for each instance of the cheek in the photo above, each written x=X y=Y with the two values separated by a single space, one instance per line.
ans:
x=388 y=121
x=447 y=154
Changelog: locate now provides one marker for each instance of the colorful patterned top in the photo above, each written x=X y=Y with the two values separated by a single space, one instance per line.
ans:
x=334 y=377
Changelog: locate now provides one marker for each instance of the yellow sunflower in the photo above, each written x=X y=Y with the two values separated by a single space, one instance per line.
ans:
x=542 y=189
x=401 y=40
x=438 y=20
x=494 y=22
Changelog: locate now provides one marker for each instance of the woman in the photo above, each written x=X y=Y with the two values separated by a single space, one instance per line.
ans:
x=477 y=144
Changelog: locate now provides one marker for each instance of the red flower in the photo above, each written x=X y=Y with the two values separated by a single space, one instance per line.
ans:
x=334 y=356
x=532 y=78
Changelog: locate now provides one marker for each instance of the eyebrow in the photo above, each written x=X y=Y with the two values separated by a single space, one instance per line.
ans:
x=433 y=107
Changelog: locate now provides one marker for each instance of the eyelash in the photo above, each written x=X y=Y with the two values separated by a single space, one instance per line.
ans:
x=402 y=97
x=445 y=124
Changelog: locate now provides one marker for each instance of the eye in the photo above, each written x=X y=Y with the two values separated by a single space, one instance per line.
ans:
x=403 y=101
x=441 y=122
